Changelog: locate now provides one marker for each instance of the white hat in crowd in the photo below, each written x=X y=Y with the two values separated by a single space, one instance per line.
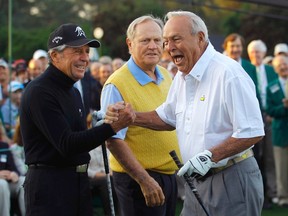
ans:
x=15 y=85
x=281 y=48
x=40 y=54
x=268 y=60
x=3 y=63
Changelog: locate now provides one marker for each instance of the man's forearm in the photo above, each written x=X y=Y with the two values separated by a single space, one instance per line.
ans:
x=125 y=157
x=232 y=146
x=152 y=121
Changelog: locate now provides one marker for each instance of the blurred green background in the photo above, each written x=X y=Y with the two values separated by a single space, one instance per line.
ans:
x=31 y=21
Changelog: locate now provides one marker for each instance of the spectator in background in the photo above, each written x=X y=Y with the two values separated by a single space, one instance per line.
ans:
x=268 y=60
x=4 y=136
x=4 y=81
x=21 y=71
x=233 y=47
x=10 y=109
x=117 y=63
x=94 y=70
x=35 y=68
x=281 y=49
x=42 y=56
x=90 y=92
x=105 y=71
x=10 y=182
x=277 y=107
x=264 y=75
x=105 y=60
x=17 y=150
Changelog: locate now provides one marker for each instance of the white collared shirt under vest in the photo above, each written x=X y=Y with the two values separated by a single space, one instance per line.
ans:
x=215 y=101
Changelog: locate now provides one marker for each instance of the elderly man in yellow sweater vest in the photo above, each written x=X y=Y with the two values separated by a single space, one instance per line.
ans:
x=143 y=171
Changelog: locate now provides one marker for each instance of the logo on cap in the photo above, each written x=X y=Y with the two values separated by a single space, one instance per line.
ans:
x=57 y=39
x=80 y=32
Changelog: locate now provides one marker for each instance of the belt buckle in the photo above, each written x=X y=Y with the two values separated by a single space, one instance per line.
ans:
x=81 y=168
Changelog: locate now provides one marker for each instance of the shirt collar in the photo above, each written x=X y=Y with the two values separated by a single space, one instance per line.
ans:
x=200 y=67
x=59 y=77
x=282 y=81
x=141 y=77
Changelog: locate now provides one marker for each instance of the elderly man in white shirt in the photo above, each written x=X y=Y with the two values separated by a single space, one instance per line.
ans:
x=212 y=105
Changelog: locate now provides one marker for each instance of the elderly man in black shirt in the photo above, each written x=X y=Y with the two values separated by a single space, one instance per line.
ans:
x=53 y=127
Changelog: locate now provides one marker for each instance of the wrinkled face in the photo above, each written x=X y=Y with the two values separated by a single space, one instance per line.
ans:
x=104 y=72
x=117 y=63
x=256 y=57
x=16 y=97
x=147 y=45
x=72 y=61
x=183 y=46
x=94 y=69
x=280 y=65
x=35 y=68
x=234 y=49
x=4 y=73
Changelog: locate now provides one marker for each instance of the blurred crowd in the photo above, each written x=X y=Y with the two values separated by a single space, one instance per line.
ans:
x=265 y=71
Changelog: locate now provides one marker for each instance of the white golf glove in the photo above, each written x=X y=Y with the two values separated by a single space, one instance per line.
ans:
x=200 y=163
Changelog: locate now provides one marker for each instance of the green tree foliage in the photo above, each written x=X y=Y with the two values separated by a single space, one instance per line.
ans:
x=259 y=22
x=33 y=20
x=114 y=18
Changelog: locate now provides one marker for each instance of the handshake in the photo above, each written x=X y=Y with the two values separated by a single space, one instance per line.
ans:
x=118 y=115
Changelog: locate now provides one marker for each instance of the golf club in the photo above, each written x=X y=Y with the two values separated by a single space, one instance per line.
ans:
x=189 y=181
x=97 y=120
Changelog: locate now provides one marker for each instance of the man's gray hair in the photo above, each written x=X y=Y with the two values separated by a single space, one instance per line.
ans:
x=258 y=45
x=132 y=27
x=197 y=24
x=57 y=49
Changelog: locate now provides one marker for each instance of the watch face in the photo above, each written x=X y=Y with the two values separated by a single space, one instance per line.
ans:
x=3 y=158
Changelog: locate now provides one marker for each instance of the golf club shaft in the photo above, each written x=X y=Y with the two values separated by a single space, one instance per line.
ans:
x=108 y=177
x=97 y=121
x=189 y=181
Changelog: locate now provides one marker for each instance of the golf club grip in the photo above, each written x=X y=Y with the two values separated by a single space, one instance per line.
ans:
x=176 y=159
x=105 y=158
x=188 y=179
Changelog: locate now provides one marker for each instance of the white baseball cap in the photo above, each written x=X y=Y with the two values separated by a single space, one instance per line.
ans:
x=281 y=48
x=15 y=85
x=39 y=54
x=3 y=63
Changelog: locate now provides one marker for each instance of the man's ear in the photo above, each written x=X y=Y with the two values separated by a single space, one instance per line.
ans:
x=201 y=36
x=129 y=44
x=54 y=56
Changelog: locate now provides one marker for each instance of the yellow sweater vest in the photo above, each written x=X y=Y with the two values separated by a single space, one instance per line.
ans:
x=151 y=148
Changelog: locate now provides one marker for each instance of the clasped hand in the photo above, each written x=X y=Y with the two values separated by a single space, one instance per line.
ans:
x=119 y=115
x=9 y=175
x=200 y=163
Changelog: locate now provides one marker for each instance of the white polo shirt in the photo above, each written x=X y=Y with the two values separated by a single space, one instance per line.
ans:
x=215 y=101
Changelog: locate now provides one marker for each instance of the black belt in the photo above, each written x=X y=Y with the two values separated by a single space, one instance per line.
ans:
x=80 y=168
